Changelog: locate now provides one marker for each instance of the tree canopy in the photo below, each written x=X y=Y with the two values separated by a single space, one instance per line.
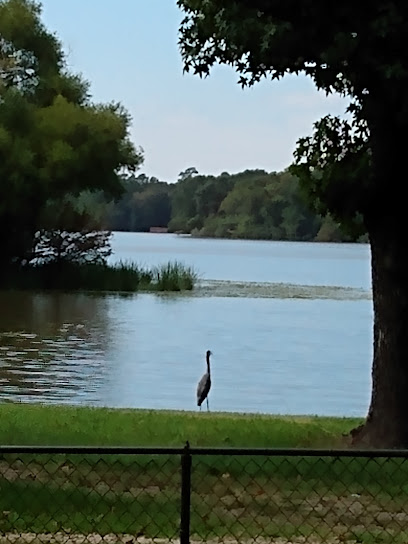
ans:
x=253 y=204
x=53 y=140
x=347 y=167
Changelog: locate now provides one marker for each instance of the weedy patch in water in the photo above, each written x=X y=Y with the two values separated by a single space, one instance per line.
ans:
x=226 y=288
x=121 y=277
x=174 y=276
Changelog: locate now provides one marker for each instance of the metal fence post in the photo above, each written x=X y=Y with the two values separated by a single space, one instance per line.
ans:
x=185 y=495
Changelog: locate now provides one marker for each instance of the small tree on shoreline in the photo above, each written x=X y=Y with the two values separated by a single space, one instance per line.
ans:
x=54 y=141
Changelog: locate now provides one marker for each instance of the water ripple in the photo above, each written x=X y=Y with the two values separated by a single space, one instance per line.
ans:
x=59 y=369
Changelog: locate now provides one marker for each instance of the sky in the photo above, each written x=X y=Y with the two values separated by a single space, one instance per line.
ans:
x=128 y=51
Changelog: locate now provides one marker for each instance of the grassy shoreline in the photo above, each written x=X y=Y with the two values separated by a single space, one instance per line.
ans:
x=61 y=425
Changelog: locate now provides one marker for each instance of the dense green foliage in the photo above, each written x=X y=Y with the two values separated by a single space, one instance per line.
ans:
x=145 y=203
x=54 y=142
x=253 y=204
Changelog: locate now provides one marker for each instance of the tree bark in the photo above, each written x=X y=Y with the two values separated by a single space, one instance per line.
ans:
x=386 y=424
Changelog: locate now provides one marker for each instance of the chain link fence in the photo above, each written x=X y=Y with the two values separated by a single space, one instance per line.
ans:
x=112 y=495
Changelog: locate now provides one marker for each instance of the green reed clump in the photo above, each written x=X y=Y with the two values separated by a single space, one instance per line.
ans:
x=174 y=276
x=128 y=276
x=125 y=276
x=72 y=276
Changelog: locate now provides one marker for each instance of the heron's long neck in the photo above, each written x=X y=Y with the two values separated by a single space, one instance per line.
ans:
x=208 y=364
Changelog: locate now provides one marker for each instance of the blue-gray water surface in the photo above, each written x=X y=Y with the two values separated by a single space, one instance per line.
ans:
x=290 y=325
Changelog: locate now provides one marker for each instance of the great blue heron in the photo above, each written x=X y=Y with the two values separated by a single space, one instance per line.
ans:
x=204 y=384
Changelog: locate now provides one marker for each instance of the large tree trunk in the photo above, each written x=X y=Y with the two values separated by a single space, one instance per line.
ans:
x=387 y=421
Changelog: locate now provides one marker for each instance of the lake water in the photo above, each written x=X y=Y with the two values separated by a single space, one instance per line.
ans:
x=290 y=325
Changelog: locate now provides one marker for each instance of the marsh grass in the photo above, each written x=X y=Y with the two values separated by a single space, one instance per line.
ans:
x=174 y=276
x=123 y=277
x=242 y=497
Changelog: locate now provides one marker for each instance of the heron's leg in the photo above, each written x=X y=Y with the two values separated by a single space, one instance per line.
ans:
x=200 y=407
x=208 y=406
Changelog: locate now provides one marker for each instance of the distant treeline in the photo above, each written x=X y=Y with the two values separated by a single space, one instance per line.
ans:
x=253 y=204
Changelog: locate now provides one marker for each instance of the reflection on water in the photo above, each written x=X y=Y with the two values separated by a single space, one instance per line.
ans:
x=298 y=347
x=52 y=346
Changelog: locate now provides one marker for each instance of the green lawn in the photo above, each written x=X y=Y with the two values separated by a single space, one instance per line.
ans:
x=240 y=497
x=59 y=425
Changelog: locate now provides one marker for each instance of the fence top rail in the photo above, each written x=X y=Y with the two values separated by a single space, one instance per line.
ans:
x=136 y=450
